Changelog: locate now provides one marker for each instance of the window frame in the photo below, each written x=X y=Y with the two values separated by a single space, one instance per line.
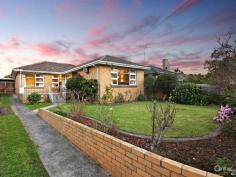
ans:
x=58 y=81
x=41 y=76
x=132 y=72
x=114 y=71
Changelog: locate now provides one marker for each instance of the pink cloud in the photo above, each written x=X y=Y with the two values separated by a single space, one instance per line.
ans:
x=183 y=6
x=97 y=31
x=47 y=50
x=13 y=43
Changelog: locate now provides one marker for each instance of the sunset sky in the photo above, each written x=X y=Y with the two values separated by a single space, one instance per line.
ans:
x=74 y=31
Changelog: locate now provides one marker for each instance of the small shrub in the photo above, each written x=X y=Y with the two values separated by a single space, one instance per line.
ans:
x=34 y=98
x=104 y=114
x=141 y=97
x=188 y=94
x=119 y=98
x=77 y=110
x=230 y=125
x=107 y=96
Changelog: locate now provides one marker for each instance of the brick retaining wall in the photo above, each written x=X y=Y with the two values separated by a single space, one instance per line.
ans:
x=119 y=158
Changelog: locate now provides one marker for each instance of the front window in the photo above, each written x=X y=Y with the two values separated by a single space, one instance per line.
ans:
x=29 y=80
x=123 y=77
x=39 y=80
x=55 y=81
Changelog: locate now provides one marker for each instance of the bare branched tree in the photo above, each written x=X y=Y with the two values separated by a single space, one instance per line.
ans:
x=162 y=118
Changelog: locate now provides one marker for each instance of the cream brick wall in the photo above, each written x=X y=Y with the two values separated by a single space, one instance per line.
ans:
x=102 y=72
x=119 y=158
x=43 y=91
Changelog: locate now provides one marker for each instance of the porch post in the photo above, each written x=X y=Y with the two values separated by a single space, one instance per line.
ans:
x=21 y=89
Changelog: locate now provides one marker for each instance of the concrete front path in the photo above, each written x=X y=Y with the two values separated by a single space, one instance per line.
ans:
x=58 y=155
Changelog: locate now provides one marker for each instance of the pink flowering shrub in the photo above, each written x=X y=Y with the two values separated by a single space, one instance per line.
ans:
x=223 y=115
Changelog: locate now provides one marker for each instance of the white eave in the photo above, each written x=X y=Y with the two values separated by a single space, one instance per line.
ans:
x=33 y=71
x=109 y=64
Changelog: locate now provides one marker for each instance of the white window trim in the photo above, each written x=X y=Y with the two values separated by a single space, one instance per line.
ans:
x=130 y=79
x=39 y=82
x=116 y=79
x=131 y=73
x=53 y=77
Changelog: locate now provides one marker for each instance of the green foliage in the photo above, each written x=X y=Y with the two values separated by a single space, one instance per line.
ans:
x=34 y=98
x=119 y=98
x=61 y=113
x=188 y=94
x=229 y=97
x=141 y=97
x=84 y=89
x=166 y=83
x=213 y=98
x=104 y=114
x=149 y=84
x=197 y=79
x=107 y=96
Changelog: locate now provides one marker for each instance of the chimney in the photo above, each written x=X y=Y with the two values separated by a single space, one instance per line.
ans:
x=166 y=64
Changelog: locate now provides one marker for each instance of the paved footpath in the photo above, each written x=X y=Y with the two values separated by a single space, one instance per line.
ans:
x=58 y=155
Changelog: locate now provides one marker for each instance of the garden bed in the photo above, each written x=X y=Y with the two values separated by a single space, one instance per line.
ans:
x=199 y=153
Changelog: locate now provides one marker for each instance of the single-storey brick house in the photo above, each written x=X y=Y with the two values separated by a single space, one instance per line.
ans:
x=124 y=76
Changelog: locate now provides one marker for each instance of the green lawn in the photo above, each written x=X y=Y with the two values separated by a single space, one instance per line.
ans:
x=18 y=154
x=38 y=105
x=133 y=117
x=4 y=101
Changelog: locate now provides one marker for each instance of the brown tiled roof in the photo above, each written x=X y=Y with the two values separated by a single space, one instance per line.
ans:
x=47 y=66
x=109 y=58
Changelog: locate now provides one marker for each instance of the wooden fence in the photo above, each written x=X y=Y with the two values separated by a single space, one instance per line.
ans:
x=7 y=86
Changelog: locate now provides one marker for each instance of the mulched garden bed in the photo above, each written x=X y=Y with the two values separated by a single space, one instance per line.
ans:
x=200 y=153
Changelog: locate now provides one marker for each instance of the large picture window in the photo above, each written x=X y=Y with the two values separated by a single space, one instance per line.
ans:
x=29 y=80
x=123 y=77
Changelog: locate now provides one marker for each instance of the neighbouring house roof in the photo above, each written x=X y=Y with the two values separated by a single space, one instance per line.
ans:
x=159 y=71
x=156 y=70
x=110 y=60
x=45 y=67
